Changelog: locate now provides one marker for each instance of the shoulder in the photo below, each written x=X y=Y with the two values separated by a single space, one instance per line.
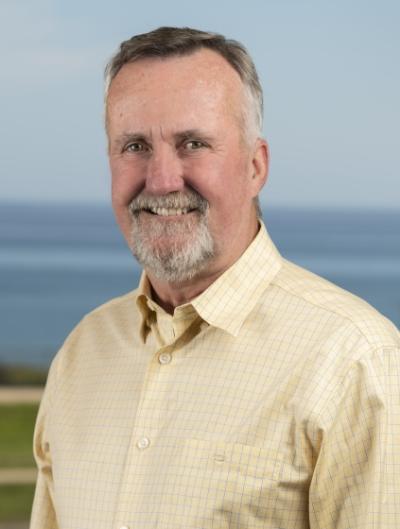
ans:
x=116 y=313
x=120 y=307
x=327 y=305
x=335 y=343
x=106 y=331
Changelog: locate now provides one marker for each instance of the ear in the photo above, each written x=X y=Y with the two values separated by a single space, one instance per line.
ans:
x=260 y=165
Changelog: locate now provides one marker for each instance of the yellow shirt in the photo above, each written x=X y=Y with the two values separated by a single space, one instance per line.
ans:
x=272 y=400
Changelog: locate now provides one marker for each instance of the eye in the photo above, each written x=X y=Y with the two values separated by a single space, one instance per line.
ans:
x=135 y=146
x=193 y=145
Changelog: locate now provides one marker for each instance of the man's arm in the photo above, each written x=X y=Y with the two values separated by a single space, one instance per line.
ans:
x=43 y=512
x=43 y=515
x=356 y=483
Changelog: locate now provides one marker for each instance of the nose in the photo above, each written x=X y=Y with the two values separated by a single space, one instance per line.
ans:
x=164 y=172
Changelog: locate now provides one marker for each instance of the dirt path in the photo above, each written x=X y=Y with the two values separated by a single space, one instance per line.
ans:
x=17 y=476
x=22 y=394
x=14 y=525
x=11 y=476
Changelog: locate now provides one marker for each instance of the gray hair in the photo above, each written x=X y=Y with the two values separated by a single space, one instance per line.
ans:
x=171 y=41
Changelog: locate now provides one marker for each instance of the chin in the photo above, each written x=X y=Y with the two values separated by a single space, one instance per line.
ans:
x=173 y=257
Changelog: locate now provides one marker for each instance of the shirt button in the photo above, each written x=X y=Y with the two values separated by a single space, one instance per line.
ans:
x=143 y=443
x=164 y=358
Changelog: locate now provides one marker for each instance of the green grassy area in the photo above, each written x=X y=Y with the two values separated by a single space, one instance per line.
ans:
x=15 y=502
x=17 y=422
x=22 y=376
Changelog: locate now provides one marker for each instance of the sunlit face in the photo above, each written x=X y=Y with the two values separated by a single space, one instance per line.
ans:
x=183 y=178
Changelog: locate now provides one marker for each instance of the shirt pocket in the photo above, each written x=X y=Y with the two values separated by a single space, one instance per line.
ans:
x=218 y=484
x=248 y=461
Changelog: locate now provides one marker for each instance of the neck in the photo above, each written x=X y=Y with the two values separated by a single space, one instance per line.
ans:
x=171 y=295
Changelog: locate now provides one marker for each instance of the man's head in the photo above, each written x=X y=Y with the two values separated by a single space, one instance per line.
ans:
x=183 y=118
x=168 y=41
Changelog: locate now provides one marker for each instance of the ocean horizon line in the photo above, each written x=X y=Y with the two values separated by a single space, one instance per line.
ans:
x=292 y=208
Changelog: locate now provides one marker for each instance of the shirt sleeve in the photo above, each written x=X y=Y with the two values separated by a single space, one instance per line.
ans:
x=356 y=480
x=43 y=512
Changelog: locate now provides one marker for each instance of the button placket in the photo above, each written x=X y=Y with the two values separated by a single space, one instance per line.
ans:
x=143 y=442
x=144 y=434
x=164 y=358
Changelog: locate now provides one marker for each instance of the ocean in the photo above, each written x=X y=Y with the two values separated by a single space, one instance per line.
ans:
x=57 y=262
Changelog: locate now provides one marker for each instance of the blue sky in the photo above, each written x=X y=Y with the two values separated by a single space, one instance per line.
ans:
x=329 y=70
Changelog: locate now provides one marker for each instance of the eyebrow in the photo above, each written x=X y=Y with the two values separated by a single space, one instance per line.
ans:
x=192 y=134
x=127 y=137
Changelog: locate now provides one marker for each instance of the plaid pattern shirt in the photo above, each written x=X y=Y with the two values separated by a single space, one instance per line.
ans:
x=272 y=400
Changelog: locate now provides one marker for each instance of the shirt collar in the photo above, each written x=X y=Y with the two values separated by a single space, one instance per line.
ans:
x=143 y=295
x=227 y=302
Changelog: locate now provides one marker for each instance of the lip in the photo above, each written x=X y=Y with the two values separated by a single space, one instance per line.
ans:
x=167 y=218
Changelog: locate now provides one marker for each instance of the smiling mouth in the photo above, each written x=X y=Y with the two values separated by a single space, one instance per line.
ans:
x=168 y=212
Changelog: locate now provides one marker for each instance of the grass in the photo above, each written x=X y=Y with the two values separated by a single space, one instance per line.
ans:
x=15 y=502
x=16 y=426
x=22 y=375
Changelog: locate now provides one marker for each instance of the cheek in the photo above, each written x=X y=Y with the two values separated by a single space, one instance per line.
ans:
x=126 y=182
x=224 y=184
x=124 y=187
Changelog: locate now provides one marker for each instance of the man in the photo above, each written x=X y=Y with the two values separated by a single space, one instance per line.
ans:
x=232 y=388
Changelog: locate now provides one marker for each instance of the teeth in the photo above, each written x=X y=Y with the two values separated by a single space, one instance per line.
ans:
x=166 y=212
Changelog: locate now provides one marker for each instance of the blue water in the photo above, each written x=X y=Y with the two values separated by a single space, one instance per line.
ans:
x=57 y=263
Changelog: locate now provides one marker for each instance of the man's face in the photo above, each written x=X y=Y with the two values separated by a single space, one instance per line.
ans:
x=183 y=175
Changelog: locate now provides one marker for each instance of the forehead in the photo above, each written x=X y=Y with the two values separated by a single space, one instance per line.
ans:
x=203 y=79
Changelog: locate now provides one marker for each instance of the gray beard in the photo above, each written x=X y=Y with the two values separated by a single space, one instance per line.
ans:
x=174 y=251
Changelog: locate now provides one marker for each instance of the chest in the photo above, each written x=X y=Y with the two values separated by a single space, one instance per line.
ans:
x=192 y=435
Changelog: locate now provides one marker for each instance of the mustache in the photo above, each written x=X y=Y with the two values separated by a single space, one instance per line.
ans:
x=189 y=199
